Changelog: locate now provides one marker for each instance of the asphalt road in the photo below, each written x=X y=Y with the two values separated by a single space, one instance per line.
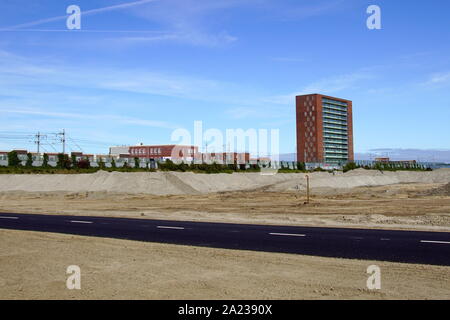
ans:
x=384 y=245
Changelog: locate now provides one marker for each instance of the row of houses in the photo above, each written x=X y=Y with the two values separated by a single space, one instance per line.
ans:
x=148 y=156
x=179 y=153
x=38 y=158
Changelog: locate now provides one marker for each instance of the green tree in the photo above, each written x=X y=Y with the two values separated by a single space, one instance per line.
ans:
x=301 y=166
x=29 y=160
x=63 y=161
x=13 y=159
x=74 y=161
x=101 y=164
x=45 y=161
x=137 y=162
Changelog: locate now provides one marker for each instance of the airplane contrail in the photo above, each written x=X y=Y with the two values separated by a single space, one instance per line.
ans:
x=88 y=12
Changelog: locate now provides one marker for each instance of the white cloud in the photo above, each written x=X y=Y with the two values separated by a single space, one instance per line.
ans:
x=287 y=59
x=193 y=38
x=303 y=9
x=79 y=116
x=200 y=22
x=264 y=111
x=439 y=78
x=244 y=112
x=195 y=22
x=185 y=20
x=22 y=75
x=329 y=85
x=126 y=5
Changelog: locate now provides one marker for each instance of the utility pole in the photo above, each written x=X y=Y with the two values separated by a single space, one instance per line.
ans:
x=63 y=140
x=38 y=141
x=307 y=189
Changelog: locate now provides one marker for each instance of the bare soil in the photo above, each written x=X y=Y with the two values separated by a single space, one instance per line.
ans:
x=33 y=266
x=403 y=206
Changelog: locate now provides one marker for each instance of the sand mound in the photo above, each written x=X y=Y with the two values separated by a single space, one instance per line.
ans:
x=442 y=191
x=364 y=178
x=175 y=183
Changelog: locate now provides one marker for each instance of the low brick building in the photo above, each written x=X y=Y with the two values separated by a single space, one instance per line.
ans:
x=226 y=157
x=162 y=152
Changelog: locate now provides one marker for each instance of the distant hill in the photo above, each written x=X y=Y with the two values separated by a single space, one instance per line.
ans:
x=421 y=155
x=288 y=157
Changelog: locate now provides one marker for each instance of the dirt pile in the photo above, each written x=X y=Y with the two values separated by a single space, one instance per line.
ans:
x=441 y=191
x=179 y=183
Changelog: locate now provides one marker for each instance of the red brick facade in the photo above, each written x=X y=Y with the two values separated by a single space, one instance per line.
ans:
x=163 y=151
x=226 y=157
x=310 y=136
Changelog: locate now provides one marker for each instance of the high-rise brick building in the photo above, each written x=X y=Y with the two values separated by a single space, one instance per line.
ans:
x=324 y=129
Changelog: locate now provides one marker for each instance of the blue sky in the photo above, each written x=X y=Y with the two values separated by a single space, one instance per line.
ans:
x=136 y=72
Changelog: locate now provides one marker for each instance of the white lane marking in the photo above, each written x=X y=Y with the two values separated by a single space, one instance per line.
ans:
x=175 y=228
x=9 y=217
x=440 y=242
x=79 y=221
x=385 y=239
x=287 y=234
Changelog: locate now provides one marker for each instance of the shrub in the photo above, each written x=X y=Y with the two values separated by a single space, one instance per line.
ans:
x=350 y=166
x=378 y=166
x=83 y=164
x=168 y=165
x=63 y=161
x=183 y=167
x=233 y=166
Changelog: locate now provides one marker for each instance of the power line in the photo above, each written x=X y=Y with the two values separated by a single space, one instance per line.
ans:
x=51 y=145
x=44 y=140
x=63 y=140
x=44 y=149
x=81 y=149
x=38 y=140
